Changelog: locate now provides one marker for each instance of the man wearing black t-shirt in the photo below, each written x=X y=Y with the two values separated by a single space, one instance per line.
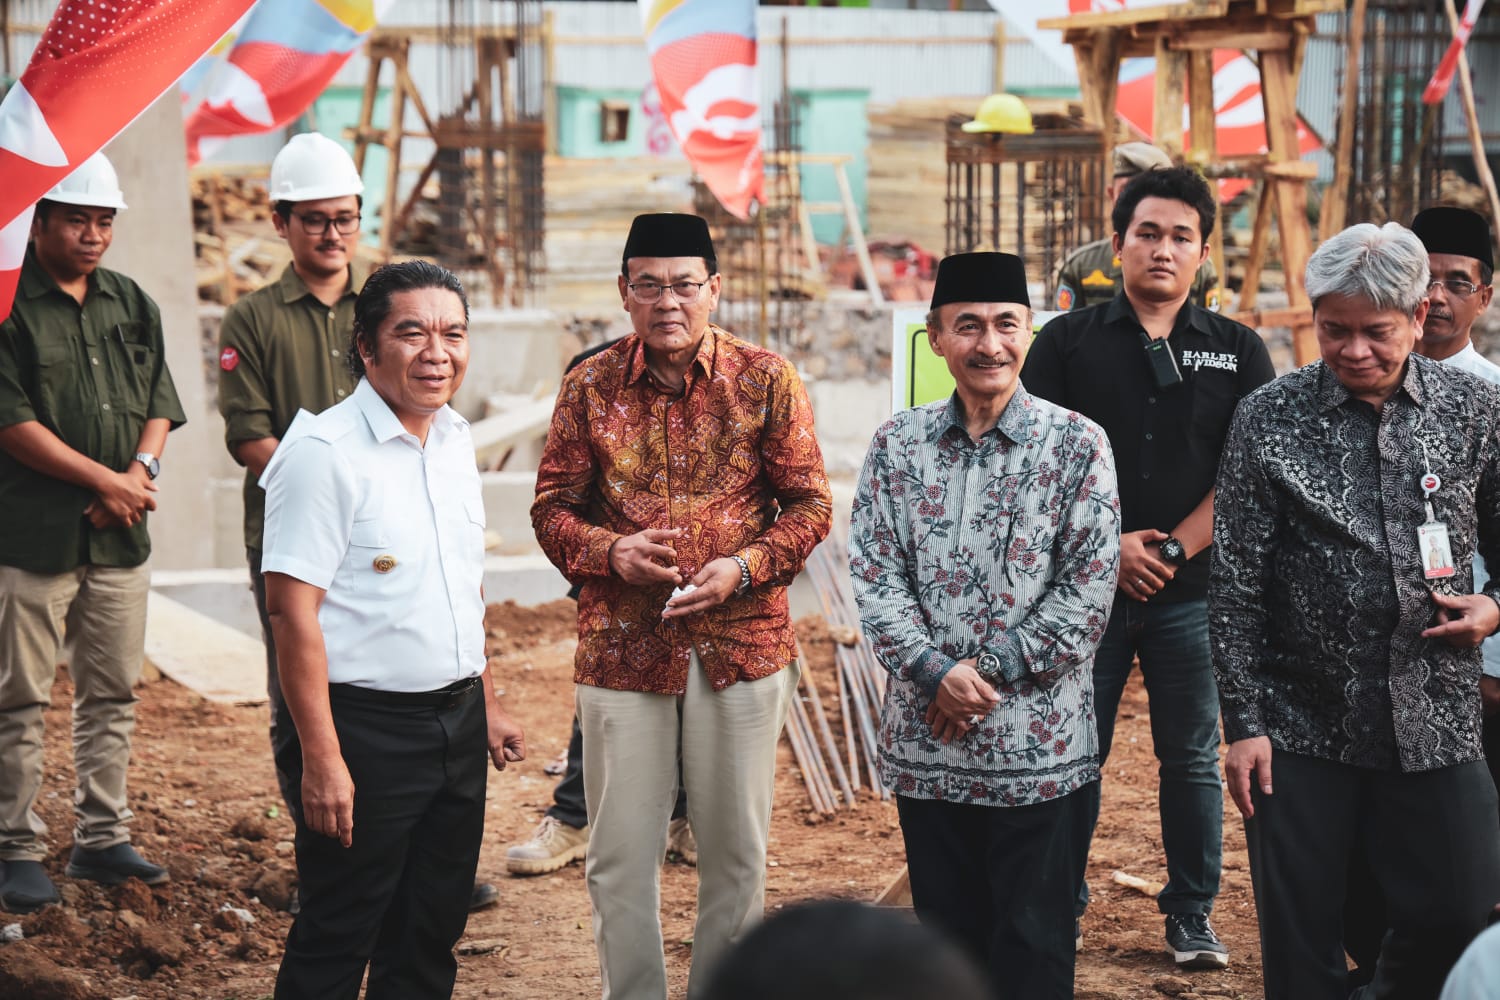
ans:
x=1162 y=377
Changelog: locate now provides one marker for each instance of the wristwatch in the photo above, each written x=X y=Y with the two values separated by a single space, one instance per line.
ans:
x=153 y=467
x=1173 y=552
x=988 y=666
x=744 y=574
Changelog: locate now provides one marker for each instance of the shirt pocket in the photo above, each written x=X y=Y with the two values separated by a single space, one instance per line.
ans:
x=136 y=368
x=371 y=560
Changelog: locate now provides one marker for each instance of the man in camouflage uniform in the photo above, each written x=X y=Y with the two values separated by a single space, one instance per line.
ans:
x=1091 y=274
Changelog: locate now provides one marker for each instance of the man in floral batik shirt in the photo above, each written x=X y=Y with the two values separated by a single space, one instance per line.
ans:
x=683 y=489
x=984 y=549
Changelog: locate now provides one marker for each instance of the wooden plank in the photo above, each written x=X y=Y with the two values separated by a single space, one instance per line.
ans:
x=1137 y=15
x=898 y=891
x=1260 y=239
x=999 y=78
x=1336 y=196
x=217 y=661
x=1289 y=194
x=1171 y=80
x=1263 y=318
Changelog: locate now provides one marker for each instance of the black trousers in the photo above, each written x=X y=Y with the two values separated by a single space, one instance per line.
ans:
x=282 y=731
x=397 y=899
x=1432 y=843
x=1001 y=882
x=568 y=806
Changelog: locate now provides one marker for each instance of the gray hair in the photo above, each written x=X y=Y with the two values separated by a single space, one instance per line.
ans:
x=1386 y=265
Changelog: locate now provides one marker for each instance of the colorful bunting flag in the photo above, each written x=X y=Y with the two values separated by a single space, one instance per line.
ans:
x=284 y=57
x=99 y=64
x=703 y=58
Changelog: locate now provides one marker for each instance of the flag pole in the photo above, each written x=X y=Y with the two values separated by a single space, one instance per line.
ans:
x=1471 y=116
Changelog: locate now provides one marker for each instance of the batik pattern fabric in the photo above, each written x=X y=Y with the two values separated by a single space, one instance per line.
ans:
x=733 y=460
x=1008 y=545
x=1318 y=598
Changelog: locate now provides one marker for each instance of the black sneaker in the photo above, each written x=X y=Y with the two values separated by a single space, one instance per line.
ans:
x=1193 y=943
x=113 y=865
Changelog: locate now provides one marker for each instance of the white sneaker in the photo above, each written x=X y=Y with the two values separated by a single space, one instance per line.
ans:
x=554 y=845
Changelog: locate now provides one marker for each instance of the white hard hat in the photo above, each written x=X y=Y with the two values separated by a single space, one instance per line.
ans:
x=311 y=167
x=94 y=184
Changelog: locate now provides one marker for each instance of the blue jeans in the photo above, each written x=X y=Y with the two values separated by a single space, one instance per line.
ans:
x=1172 y=643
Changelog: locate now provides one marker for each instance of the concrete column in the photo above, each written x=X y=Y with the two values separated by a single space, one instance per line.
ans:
x=153 y=244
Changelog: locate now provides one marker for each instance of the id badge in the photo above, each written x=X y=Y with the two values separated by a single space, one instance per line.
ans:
x=1436 y=554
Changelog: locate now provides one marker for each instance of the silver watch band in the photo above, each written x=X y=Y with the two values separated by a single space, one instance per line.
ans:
x=744 y=574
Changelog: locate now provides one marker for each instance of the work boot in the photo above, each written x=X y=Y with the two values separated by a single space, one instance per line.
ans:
x=681 y=842
x=554 y=845
x=26 y=887
x=113 y=865
x=484 y=896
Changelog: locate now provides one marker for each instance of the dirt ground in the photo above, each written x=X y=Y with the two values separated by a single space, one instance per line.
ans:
x=207 y=808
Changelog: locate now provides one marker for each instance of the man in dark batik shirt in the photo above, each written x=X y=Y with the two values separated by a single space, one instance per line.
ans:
x=1347 y=654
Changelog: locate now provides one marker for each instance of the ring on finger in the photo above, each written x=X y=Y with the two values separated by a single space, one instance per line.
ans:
x=974 y=720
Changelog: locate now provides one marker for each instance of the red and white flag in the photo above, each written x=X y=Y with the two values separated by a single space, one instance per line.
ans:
x=99 y=64
x=1442 y=79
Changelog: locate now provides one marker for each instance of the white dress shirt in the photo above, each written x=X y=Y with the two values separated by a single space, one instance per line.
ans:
x=1474 y=363
x=392 y=531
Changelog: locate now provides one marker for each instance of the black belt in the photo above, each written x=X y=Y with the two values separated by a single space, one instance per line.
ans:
x=443 y=697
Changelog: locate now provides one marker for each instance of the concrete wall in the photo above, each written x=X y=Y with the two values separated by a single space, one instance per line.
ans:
x=153 y=244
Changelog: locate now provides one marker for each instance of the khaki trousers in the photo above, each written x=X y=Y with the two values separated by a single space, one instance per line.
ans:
x=631 y=745
x=102 y=610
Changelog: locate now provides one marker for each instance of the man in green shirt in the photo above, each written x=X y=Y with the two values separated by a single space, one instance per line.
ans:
x=281 y=350
x=86 y=402
x=1091 y=274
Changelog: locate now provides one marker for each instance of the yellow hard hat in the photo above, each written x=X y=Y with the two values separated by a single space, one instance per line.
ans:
x=1001 y=113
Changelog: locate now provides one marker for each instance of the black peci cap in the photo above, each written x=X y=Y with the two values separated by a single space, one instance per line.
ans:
x=1455 y=230
x=668 y=234
x=981 y=277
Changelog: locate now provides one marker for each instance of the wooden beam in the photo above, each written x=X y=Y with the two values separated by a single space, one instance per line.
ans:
x=1260 y=241
x=1203 y=136
x=1200 y=41
x=999 y=42
x=1289 y=194
x=1171 y=80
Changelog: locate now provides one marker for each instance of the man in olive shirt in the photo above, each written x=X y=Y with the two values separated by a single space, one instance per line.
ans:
x=281 y=347
x=1091 y=274
x=85 y=406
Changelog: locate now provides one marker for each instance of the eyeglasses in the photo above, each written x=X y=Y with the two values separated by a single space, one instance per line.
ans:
x=316 y=223
x=1455 y=286
x=647 y=292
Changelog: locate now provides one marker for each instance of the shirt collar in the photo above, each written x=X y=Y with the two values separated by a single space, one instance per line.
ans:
x=383 y=422
x=36 y=282
x=1014 y=424
x=1332 y=394
x=1119 y=310
x=292 y=287
x=704 y=359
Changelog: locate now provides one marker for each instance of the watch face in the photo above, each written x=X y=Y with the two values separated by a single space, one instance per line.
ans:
x=1172 y=551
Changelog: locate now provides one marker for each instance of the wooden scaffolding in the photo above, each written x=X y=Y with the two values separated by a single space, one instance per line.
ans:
x=486 y=149
x=1182 y=38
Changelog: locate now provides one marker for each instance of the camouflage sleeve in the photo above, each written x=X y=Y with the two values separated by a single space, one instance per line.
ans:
x=1206 y=286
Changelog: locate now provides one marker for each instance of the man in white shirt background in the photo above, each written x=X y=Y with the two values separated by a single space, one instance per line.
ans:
x=374 y=552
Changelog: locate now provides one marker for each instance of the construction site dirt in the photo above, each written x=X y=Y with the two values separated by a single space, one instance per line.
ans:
x=206 y=807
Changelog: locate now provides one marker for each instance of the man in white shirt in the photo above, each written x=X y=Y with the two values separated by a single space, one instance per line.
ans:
x=374 y=549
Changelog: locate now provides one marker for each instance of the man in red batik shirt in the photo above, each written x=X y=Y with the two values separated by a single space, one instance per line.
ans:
x=683 y=488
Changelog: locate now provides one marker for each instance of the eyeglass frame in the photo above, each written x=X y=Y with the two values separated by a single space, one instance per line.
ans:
x=328 y=220
x=660 y=288
x=1448 y=284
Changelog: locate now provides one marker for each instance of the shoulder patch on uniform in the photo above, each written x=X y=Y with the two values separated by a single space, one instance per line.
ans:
x=1064 y=298
x=229 y=359
x=1098 y=279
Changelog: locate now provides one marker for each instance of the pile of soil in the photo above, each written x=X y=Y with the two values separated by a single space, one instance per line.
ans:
x=206 y=806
